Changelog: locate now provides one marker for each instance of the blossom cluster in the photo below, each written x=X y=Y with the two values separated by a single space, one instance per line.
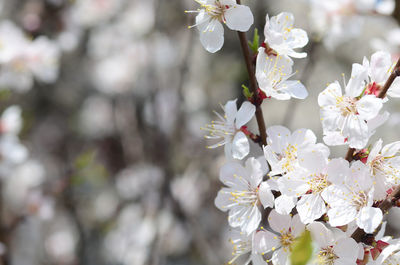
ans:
x=296 y=186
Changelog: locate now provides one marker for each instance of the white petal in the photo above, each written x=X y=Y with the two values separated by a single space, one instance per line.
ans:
x=294 y=88
x=391 y=149
x=234 y=175
x=314 y=161
x=265 y=195
x=296 y=226
x=320 y=234
x=265 y=241
x=346 y=248
x=285 y=204
x=239 y=17
x=254 y=167
x=356 y=83
x=278 y=222
x=223 y=200
x=245 y=114
x=310 y=207
x=337 y=170
x=369 y=106
x=240 y=146
x=212 y=36
x=230 y=111
x=380 y=64
x=369 y=219
x=278 y=137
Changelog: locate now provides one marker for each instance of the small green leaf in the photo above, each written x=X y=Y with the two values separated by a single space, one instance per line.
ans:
x=302 y=249
x=84 y=159
x=246 y=92
x=256 y=39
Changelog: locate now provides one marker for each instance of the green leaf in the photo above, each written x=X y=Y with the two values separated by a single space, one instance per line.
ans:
x=85 y=159
x=302 y=249
x=256 y=39
x=246 y=92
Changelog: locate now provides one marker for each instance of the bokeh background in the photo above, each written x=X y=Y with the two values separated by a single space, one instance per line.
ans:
x=102 y=156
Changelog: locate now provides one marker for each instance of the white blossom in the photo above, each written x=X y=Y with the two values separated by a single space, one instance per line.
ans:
x=227 y=129
x=282 y=37
x=384 y=167
x=272 y=74
x=345 y=117
x=285 y=230
x=283 y=146
x=215 y=12
x=332 y=248
x=352 y=199
x=244 y=193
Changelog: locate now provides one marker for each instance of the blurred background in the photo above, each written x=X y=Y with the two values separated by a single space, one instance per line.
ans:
x=102 y=156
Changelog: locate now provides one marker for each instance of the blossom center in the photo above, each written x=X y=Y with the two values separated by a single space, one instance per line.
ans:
x=346 y=105
x=286 y=239
x=360 y=200
x=289 y=157
x=318 y=183
x=326 y=256
x=216 y=11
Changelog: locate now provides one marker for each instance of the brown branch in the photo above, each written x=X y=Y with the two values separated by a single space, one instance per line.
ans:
x=253 y=85
x=395 y=73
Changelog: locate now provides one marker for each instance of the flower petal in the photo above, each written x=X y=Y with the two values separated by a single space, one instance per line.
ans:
x=239 y=17
x=245 y=114
x=240 y=146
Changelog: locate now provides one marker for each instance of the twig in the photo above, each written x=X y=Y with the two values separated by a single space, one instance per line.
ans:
x=253 y=85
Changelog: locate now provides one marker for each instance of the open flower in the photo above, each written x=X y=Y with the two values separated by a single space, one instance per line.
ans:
x=332 y=248
x=244 y=244
x=215 y=12
x=379 y=69
x=282 y=37
x=244 y=193
x=283 y=146
x=228 y=128
x=272 y=74
x=352 y=199
x=316 y=173
x=346 y=116
x=384 y=167
x=286 y=229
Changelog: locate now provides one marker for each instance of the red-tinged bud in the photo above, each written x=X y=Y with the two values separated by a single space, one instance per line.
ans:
x=373 y=89
x=365 y=260
x=244 y=130
x=389 y=191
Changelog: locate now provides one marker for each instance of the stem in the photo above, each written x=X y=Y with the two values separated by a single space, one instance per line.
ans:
x=395 y=73
x=253 y=84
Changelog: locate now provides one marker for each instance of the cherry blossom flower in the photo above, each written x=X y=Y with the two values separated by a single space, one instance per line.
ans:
x=244 y=193
x=285 y=230
x=384 y=167
x=346 y=116
x=352 y=198
x=215 y=12
x=282 y=37
x=243 y=244
x=332 y=248
x=272 y=74
x=283 y=146
x=379 y=70
x=390 y=255
x=316 y=173
x=228 y=128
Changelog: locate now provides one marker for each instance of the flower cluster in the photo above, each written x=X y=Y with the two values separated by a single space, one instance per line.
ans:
x=296 y=185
